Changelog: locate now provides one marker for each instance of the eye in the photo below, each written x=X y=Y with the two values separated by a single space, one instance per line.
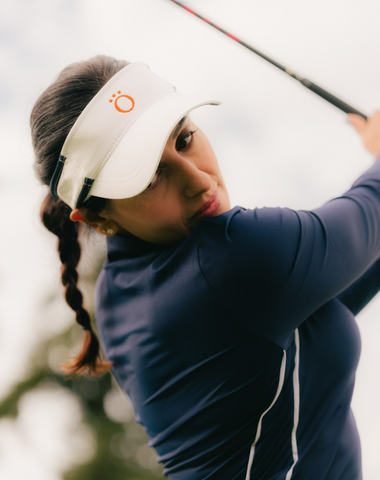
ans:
x=154 y=181
x=184 y=141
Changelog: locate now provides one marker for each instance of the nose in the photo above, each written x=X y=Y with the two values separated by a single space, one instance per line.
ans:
x=193 y=180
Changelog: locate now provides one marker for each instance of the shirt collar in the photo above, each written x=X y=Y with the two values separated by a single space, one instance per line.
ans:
x=119 y=246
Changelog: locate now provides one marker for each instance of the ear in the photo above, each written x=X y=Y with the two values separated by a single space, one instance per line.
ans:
x=102 y=224
x=75 y=216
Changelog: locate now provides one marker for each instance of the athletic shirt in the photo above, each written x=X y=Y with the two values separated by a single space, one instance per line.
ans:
x=238 y=347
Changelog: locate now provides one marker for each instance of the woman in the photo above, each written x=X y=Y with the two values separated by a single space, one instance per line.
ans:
x=232 y=330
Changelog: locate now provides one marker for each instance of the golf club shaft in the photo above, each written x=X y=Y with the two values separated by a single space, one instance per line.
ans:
x=305 y=82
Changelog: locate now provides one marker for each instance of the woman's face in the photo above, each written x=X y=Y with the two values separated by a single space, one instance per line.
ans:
x=187 y=187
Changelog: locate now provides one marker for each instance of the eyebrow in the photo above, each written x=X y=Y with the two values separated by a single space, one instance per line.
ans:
x=178 y=128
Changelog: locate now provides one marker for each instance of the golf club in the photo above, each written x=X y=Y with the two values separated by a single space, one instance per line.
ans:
x=304 y=81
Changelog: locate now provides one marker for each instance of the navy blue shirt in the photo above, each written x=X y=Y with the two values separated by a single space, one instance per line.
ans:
x=238 y=347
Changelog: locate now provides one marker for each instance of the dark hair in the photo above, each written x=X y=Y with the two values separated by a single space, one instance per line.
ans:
x=52 y=117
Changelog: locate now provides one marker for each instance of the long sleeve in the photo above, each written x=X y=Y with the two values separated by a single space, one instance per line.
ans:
x=207 y=327
x=280 y=265
x=361 y=292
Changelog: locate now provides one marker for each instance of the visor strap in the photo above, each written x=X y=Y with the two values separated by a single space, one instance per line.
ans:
x=87 y=184
x=56 y=176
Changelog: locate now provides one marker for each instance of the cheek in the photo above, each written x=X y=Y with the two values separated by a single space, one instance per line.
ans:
x=207 y=156
x=165 y=209
x=157 y=211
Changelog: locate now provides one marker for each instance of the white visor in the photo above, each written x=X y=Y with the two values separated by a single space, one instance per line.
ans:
x=114 y=148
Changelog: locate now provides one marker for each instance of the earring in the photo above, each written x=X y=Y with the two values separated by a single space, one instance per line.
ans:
x=108 y=231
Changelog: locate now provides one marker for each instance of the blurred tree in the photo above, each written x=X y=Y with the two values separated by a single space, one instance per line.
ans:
x=121 y=444
x=121 y=451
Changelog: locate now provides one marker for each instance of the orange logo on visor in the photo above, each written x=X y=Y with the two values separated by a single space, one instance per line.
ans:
x=126 y=105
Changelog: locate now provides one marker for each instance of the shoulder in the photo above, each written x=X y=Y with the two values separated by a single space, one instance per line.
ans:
x=250 y=250
x=247 y=257
x=250 y=232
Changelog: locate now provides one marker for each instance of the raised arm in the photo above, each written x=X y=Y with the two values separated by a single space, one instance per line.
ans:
x=280 y=265
x=361 y=292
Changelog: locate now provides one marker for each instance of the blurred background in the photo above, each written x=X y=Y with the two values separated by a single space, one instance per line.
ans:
x=278 y=145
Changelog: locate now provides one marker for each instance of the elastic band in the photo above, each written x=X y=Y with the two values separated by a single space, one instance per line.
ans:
x=87 y=184
x=56 y=176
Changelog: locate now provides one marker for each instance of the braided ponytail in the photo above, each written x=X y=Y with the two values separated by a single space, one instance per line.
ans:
x=52 y=117
x=55 y=217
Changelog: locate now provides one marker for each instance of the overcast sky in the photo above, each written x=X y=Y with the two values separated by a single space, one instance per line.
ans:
x=278 y=143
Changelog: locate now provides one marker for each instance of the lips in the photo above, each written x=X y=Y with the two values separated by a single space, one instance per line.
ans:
x=209 y=208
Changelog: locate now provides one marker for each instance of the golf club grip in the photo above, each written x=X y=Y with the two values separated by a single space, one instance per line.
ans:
x=331 y=98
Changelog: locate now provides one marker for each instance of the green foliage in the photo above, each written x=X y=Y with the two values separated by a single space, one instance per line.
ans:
x=121 y=448
x=121 y=451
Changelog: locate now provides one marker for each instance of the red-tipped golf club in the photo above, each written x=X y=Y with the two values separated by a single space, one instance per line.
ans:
x=306 y=83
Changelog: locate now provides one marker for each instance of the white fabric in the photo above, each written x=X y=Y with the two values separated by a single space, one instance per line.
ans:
x=119 y=138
